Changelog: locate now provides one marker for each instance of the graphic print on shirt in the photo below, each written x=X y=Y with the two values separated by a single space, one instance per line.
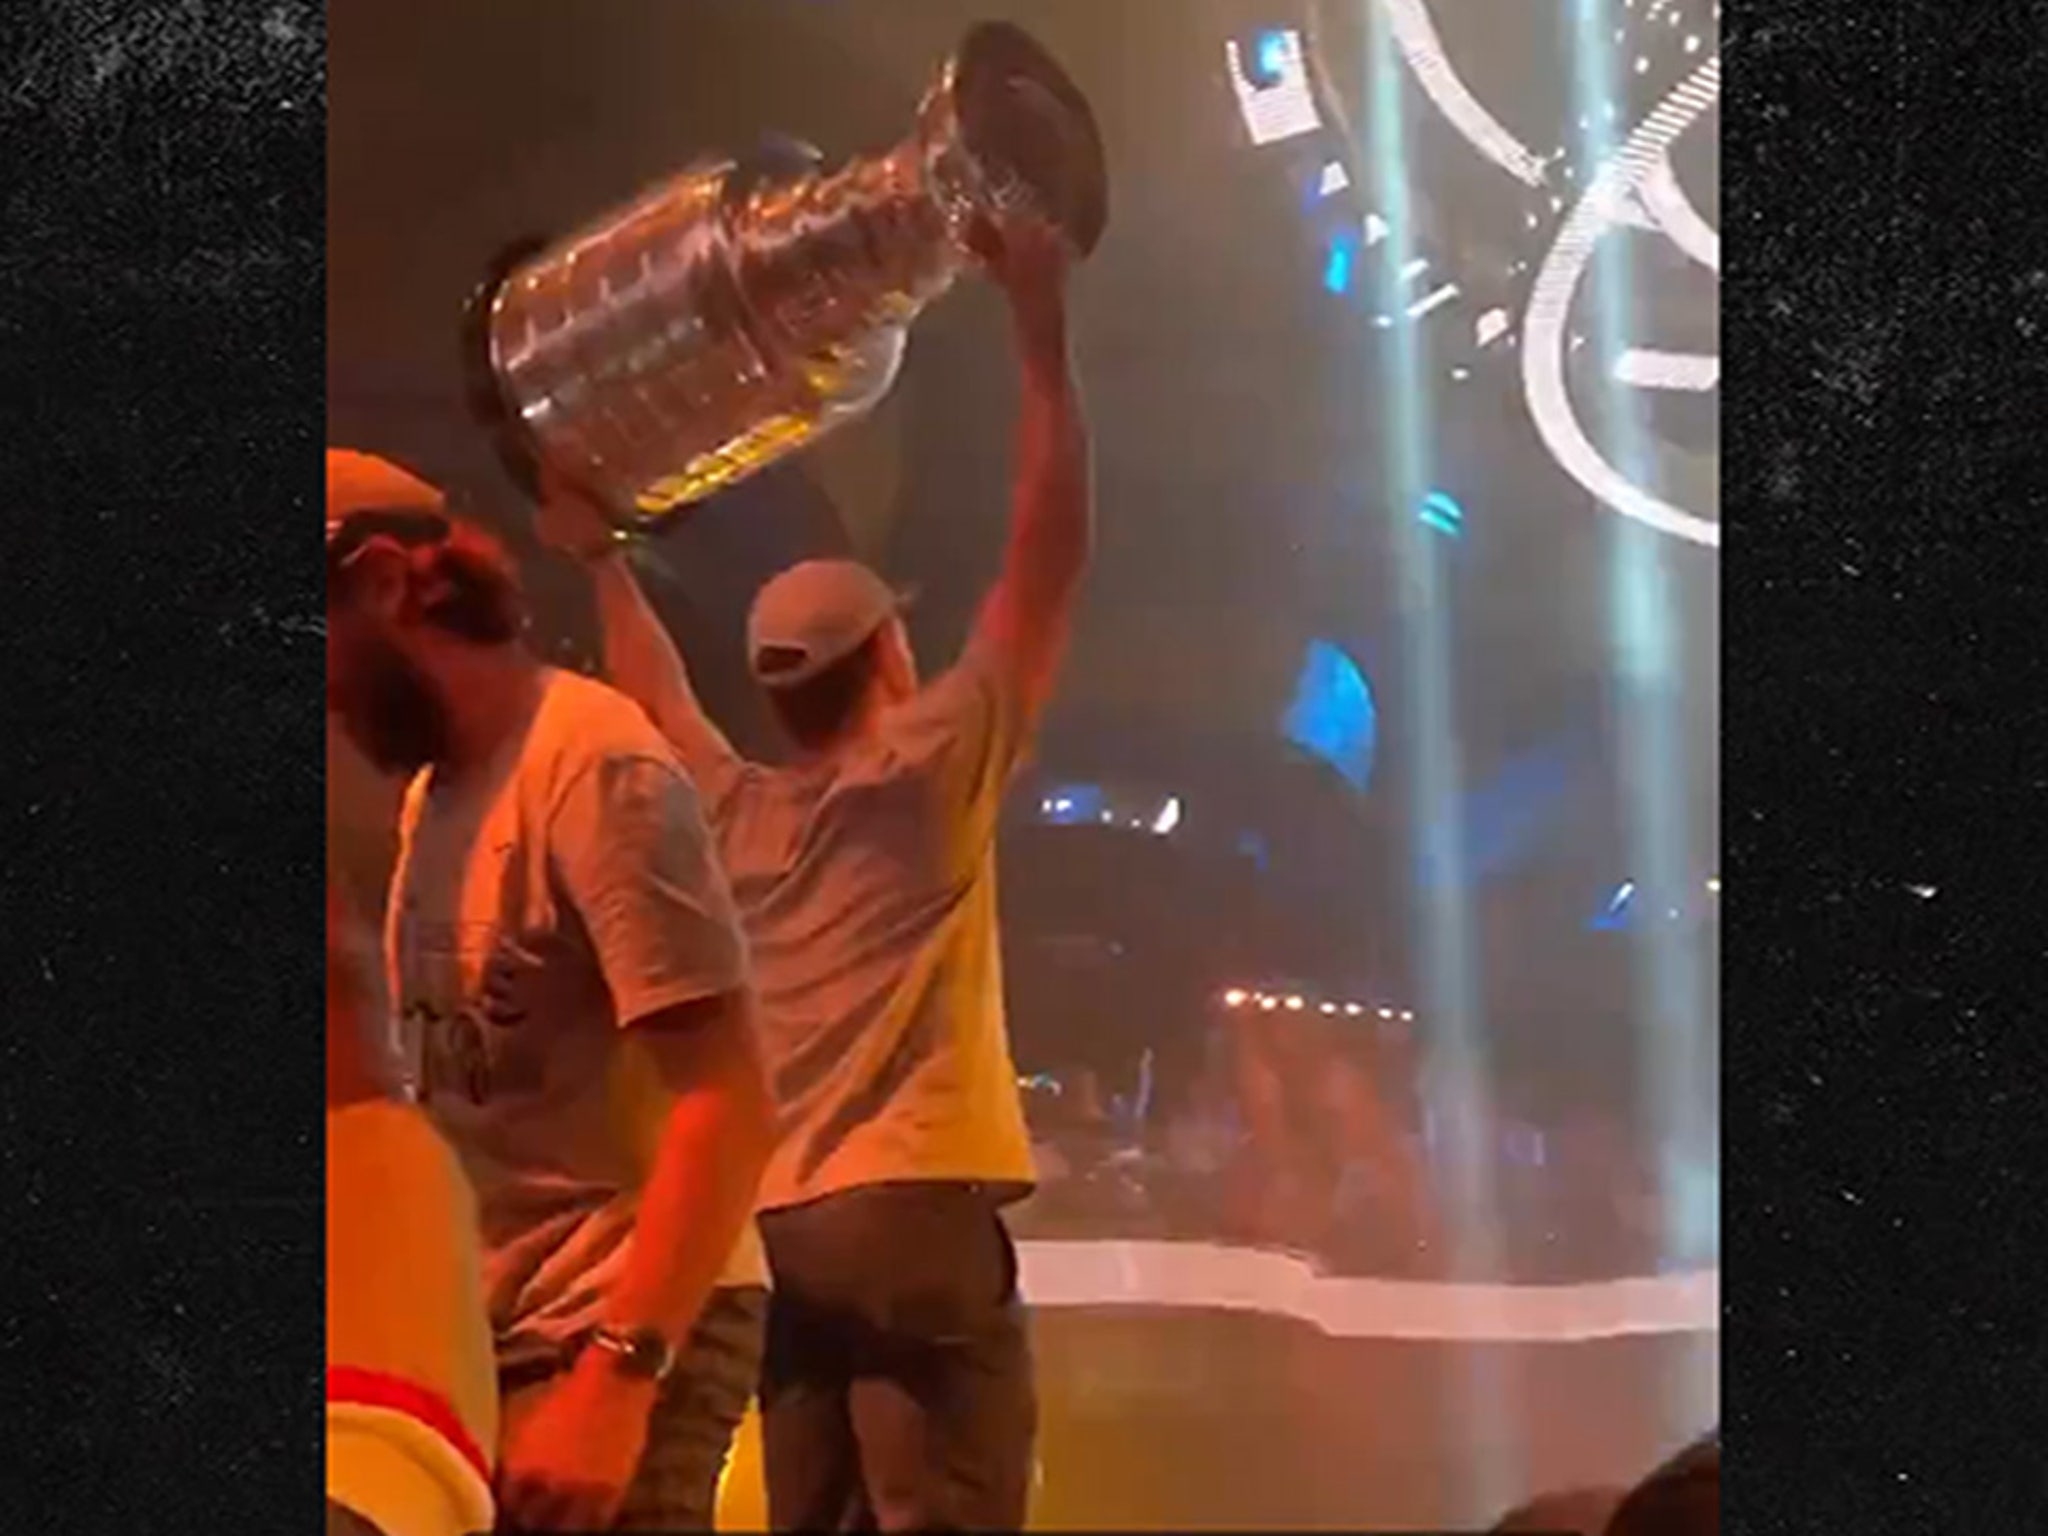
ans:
x=470 y=998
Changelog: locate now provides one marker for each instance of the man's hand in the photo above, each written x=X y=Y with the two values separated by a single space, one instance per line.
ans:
x=1029 y=260
x=568 y=1463
x=571 y=519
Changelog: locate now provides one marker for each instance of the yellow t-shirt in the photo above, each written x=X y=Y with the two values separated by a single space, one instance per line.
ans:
x=867 y=886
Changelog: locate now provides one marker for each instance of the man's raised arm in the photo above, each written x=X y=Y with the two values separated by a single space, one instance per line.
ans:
x=1026 y=620
x=640 y=660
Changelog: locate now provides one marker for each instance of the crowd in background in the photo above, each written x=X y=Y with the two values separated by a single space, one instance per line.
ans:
x=1282 y=1134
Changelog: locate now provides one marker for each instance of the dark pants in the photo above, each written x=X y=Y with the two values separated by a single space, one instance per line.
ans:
x=690 y=1431
x=897 y=1393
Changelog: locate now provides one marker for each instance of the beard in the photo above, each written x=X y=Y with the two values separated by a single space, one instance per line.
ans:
x=390 y=710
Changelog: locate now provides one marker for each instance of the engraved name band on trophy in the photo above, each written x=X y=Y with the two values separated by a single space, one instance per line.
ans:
x=734 y=313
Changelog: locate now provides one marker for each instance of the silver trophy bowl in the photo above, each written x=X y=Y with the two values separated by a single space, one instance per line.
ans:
x=740 y=310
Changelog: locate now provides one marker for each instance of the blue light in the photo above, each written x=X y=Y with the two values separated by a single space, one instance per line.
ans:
x=1508 y=820
x=1272 y=55
x=1333 y=715
x=1071 y=805
x=1440 y=513
x=1337 y=270
x=1614 y=916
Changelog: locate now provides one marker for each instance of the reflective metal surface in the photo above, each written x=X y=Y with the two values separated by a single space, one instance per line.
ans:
x=738 y=311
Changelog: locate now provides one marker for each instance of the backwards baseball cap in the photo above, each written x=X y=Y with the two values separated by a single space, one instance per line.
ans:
x=362 y=482
x=368 y=497
x=469 y=584
x=813 y=615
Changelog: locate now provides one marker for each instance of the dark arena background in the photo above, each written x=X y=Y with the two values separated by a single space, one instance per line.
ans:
x=1360 y=910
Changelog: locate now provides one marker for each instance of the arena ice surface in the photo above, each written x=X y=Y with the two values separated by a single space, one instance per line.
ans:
x=1212 y=1276
x=1195 y=1386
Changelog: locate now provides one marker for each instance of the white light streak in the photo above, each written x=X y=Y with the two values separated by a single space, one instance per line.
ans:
x=1550 y=302
x=1630 y=211
x=1436 y=300
x=1644 y=368
x=1677 y=217
x=1423 y=51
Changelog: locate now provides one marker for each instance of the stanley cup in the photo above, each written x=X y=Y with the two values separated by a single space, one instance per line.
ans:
x=736 y=312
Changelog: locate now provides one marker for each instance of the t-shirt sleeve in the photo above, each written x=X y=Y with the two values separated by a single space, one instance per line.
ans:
x=970 y=730
x=629 y=845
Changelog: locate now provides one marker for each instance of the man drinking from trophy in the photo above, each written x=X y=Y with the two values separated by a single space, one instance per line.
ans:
x=571 y=983
x=897 y=1391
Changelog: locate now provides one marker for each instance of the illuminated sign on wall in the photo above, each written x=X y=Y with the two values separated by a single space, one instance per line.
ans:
x=1272 y=87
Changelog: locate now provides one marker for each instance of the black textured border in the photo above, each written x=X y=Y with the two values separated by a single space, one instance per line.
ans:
x=1885 y=420
x=161 y=182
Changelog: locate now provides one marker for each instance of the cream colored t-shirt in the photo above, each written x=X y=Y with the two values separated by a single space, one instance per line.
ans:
x=867 y=887
x=539 y=907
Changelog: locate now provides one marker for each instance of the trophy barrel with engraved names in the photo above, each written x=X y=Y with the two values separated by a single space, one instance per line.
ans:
x=740 y=310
